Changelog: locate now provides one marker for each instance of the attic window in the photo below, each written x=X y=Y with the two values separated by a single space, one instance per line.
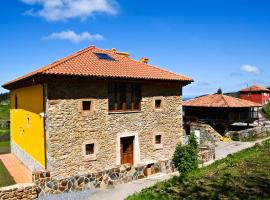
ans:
x=104 y=56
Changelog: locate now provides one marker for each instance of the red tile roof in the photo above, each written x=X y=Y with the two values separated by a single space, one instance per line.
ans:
x=220 y=100
x=255 y=88
x=86 y=63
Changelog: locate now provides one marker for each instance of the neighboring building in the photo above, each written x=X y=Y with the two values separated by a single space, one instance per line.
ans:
x=256 y=93
x=94 y=110
x=220 y=111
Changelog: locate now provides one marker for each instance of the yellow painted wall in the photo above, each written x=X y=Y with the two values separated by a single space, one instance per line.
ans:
x=27 y=125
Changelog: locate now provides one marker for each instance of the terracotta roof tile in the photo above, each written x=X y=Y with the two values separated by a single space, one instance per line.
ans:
x=220 y=100
x=255 y=88
x=86 y=63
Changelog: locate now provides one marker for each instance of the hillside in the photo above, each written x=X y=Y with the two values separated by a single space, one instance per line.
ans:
x=4 y=106
x=266 y=110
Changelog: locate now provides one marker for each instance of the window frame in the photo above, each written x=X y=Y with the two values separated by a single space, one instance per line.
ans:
x=120 y=92
x=161 y=108
x=80 y=106
x=89 y=157
x=159 y=145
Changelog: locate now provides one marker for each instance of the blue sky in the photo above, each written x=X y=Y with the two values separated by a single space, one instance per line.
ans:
x=219 y=43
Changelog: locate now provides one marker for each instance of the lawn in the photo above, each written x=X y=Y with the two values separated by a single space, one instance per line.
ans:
x=4 y=112
x=5 y=178
x=244 y=175
x=4 y=141
x=4 y=132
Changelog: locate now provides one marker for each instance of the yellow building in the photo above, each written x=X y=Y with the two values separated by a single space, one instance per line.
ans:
x=27 y=125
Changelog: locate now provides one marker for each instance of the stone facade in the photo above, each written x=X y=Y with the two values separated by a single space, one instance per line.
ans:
x=26 y=191
x=67 y=129
x=46 y=184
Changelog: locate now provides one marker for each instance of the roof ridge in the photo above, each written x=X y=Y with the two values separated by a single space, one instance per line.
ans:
x=225 y=99
x=65 y=59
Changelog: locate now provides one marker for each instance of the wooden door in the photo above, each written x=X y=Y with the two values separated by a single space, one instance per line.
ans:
x=127 y=150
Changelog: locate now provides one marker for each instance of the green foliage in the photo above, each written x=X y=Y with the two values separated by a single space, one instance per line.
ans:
x=4 y=96
x=5 y=178
x=192 y=141
x=219 y=91
x=4 y=112
x=185 y=157
x=266 y=110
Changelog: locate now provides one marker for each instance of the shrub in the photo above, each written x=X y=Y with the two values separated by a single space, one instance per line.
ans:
x=185 y=157
x=192 y=141
x=266 y=110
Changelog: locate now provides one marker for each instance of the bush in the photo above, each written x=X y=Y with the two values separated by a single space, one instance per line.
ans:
x=266 y=110
x=185 y=157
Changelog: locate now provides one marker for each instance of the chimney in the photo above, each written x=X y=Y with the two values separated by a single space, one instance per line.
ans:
x=126 y=54
x=144 y=60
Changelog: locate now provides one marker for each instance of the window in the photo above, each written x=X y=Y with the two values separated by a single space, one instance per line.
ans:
x=89 y=149
x=16 y=102
x=86 y=105
x=104 y=56
x=124 y=97
x=158 y=139
x=158 y=103
x=158 y=143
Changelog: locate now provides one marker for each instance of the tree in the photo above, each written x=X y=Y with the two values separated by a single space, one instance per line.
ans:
x=219 y=91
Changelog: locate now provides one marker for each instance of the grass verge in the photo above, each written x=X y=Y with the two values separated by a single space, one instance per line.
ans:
x=5 y=178
x=244 y=175
x=4 y=112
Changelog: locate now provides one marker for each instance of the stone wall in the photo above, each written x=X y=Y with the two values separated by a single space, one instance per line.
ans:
x=25 y=191
x=250 y=134
x=46 y=184
x=67 y=129
x=208 y=133
x=206 y=153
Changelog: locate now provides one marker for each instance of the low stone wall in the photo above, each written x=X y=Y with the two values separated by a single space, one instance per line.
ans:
x=206 y=153
x=25 y=191
x=46 y=184
x=207 y=133
x=249 y=134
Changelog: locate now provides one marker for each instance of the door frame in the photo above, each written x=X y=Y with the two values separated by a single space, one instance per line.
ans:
x=136 y=147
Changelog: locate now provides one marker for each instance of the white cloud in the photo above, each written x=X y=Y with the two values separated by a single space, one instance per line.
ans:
x=74 y=37
x=61 y=10
x=251 y=69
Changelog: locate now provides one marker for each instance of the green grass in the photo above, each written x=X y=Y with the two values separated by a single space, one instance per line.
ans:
x=266 y=110
x=244 y=175
x=4 y=141
x=4 y=112
x=4 y=147
x=5 y=178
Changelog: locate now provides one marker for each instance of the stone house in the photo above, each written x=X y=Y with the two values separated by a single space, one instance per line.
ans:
x=94 y=110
